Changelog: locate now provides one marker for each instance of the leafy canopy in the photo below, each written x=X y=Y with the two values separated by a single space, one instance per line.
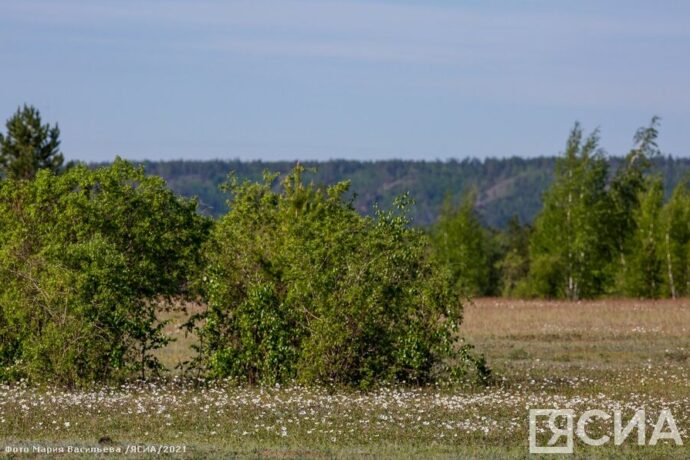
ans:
x=461 y=243
x=569 y=249
x=87 y=261
x=301 y=286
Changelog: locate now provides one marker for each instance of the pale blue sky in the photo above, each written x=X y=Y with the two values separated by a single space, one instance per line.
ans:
x=325 y=79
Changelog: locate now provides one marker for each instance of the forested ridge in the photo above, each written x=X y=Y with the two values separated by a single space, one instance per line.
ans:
x=505 y=187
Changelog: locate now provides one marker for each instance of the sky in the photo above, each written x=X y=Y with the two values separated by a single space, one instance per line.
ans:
x=354 y=79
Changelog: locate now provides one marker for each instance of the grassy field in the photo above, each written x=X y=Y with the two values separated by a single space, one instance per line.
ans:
x=604 y=355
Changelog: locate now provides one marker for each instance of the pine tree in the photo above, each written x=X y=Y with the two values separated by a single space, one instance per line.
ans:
x=29 y=145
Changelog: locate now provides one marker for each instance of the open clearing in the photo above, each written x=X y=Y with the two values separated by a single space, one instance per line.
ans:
x=604 y=355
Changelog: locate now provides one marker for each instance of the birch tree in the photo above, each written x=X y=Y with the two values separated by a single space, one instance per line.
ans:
x=568 y=248
x=675 y=235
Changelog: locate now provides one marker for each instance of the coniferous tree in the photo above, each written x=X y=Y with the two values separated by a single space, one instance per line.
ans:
x=29 y=145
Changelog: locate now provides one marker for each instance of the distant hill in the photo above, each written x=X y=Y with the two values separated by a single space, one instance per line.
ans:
x=505 y=187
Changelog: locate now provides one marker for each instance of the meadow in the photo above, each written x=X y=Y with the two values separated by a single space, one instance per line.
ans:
x=607 y=354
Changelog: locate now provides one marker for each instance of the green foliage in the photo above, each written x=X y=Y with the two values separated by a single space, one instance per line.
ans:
x=29 y=145
x=675 y=242
x=87 y=260
x=568 y=250
x=641 y=276
x=300 y=286
x=462 y=244
x=627 y=186
x=513 y=261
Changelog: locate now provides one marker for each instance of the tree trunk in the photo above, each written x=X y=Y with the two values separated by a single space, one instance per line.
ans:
x=670 y=266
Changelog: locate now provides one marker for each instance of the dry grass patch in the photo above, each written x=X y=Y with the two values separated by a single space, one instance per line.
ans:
x=502 y=317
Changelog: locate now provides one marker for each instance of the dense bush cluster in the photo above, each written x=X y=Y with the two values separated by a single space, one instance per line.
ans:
x=301 y=286
x=87 y=261
x=297 y=284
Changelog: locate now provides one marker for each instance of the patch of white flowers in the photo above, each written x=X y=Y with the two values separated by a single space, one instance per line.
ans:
x=183 y=409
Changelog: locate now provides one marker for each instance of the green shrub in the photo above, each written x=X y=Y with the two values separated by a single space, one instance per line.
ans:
x=87 y=261
x=298 y=285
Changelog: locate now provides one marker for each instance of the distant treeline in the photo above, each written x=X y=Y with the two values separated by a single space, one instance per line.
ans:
x=504 y=187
